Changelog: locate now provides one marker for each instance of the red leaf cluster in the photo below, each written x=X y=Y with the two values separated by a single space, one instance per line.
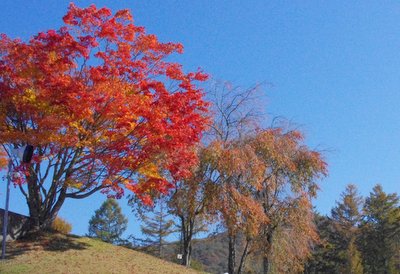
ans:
x=101 y=87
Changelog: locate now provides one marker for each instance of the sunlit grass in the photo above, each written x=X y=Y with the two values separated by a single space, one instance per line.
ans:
x=70 y=254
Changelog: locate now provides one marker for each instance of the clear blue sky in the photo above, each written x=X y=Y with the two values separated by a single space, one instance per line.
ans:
x=334 y=67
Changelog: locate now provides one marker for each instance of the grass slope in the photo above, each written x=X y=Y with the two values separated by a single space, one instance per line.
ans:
x=70 y=254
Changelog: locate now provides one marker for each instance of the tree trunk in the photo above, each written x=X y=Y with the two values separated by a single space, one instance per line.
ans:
x=187 y=252
x=34 y=217
x=42 y=215
x=266 y=265
x=43 y=204
x=34 y=202
x=40 y=220
x=187 y=235
x=244 y=257
x=266 y=261
x=231 y=254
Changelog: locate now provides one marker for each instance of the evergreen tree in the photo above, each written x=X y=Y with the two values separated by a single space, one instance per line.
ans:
x=337 y=251
x=108 y=222
x=156 y=227
x=354 y=262
x=346 y=217
x=324 y=257
x=380 y=232
x=347 y=213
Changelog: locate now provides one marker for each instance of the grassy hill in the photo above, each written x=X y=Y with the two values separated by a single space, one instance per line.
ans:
x=55 y=253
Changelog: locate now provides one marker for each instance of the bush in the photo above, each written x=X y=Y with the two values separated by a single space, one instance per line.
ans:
x=61 y=226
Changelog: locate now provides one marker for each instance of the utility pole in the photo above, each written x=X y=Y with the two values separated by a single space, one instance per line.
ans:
x=5 y=217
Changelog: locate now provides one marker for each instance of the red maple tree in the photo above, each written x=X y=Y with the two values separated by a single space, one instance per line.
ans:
x=102 y=107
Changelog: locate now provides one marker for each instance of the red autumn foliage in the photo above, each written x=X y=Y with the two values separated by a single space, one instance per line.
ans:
x=102 y=106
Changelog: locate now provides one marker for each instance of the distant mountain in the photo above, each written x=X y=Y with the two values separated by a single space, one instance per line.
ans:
x=211 y=254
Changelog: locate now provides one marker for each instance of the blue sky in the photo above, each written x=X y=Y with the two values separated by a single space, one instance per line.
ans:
x=333 y=68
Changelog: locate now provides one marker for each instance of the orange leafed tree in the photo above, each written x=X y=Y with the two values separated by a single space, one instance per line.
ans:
x=102 y=107
x=190 y=202
x=235 y=169
x=266 y=180
x=239 y=174
x=196 y=199
x=290 y=181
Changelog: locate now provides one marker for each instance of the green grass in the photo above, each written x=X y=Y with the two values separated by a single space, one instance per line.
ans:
x=54 y=253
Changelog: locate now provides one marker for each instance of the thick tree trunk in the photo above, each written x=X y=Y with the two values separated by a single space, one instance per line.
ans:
x=34 y=214
x=231 y=254
x=34 y=202
x=42 y=218
x=41 y=214
x=187 y=235
x=44 y=204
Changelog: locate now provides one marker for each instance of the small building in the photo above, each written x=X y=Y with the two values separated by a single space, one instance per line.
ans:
x=17 y=225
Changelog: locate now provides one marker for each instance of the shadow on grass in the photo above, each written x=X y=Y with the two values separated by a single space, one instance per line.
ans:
x=55 y=243
x=64 y=244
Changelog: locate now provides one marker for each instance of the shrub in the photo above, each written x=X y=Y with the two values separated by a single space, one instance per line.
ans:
x=61 y=226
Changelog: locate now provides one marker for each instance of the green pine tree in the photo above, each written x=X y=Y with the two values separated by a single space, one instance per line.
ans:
x=324 y=257
x=338 y=251
x=347 y=213
x=108 y=222
x=380 y=232
x=346 y=217
x=354 y=261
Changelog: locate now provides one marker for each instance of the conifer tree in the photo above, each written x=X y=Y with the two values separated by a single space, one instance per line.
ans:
x=380 y=232
x=338 y=251
x=108 y=223
x=346 y=217
x=354 y=262
x=347 y=212
x=156 y=227
x=324 y=258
